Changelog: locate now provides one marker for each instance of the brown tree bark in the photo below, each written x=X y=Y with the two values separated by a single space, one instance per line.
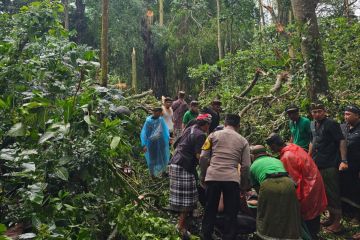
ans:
x=304 y=13
x=133 y=70
x=221 y=53
x=262 y=18
x=161 y=13
x=80 y=22
x=104 y=43
x=154 y=61
x=66 y=13
x=283 y=7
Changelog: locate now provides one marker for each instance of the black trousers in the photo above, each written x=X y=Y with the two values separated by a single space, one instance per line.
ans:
x=313 y=226
x=231 y=195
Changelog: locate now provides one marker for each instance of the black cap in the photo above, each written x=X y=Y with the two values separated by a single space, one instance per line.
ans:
x=216 y=102
x=353 y=108
x=157 y=109
x=292 y=108
x=315 y=106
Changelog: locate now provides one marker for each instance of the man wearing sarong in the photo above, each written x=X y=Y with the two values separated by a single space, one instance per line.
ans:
x=182 y=170
x=214 y=110
x=299 y=127
x=221 y=154
x=155 y=138
x=278 y=211
x=328 y=149
x=179 y=108
x=310 y=188
x=350 y=179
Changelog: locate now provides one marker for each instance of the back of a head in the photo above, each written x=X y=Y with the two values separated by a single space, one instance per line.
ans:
x=276 y=139
x=232 y=120
x=194 y=103
x=181 y=94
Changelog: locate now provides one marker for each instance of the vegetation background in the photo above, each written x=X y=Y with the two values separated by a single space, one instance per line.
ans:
x=71 y=77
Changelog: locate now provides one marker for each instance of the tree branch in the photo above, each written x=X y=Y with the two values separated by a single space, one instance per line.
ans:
x=252 y=84
x=137 y=96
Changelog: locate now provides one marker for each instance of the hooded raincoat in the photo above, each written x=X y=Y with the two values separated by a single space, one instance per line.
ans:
x=310 y=189
x=155 y=136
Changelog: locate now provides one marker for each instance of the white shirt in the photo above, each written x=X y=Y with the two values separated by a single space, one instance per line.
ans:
x=168 y=117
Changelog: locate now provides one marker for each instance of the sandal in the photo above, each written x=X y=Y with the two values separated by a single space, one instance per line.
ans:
x=326 y=223
x=340 y=230
x=184 y=234
x=356 y=236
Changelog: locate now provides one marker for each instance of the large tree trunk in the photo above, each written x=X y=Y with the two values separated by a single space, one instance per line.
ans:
x=161 y=13
x=80 y=22
x=154 y=61
x=66 y=14
x=133 y=70
x=304 y=13
x=283 y=7
x=221 y=54
x=104 y=43
x=262 y=18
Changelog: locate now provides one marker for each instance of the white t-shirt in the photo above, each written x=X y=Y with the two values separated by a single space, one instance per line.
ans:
x=168 y=117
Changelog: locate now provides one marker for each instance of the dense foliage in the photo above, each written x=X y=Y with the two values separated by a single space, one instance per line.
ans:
x=70 y=162
x=341 y=44
x=64 y=141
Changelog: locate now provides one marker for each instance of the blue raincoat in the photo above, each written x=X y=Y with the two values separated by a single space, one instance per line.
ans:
x=155 y=136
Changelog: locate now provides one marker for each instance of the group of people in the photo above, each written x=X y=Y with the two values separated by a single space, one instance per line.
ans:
x=316 y=171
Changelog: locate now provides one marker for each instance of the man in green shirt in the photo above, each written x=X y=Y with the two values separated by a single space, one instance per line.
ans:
x=191 y=114
x=299 y=127
x=278 y=211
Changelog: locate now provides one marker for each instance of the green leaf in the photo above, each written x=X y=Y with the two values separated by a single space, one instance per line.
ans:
x=115 y=142
x=3 y=104
x=35 y=105
x=27 y=236
x=46 y=136
x=87 y=119
x=6 y=157
x=62 y=173
x=5 y=238
x=17 y=130
x=89 y=55
x=29 y=166
x=2 y=228
x=36 y=197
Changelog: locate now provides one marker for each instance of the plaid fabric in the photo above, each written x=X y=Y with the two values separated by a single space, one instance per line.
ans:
x=183 y=191
x=177 y=133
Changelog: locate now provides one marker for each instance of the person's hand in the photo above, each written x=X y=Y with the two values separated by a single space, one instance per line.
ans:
x=171 y=141
x=144 y=149
x=343 y=166
x=203 y=184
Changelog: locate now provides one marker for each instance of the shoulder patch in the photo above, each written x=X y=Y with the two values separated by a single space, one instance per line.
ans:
x=207 y=145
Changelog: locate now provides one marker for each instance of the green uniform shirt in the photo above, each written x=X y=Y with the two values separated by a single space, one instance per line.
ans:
x=188 y=116
x=264 y=165
x=301 y=132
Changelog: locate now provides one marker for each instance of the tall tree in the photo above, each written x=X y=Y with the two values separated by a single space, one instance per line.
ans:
x=304 y=13
x=221 y=54
x=262 y=17
x=66 y=14
x=284 y=9
x=80 y=21
x=133 y=70
x=104 y=43
x=161 y=12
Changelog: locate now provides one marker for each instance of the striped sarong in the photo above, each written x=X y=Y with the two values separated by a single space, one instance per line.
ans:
x=183 y=191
